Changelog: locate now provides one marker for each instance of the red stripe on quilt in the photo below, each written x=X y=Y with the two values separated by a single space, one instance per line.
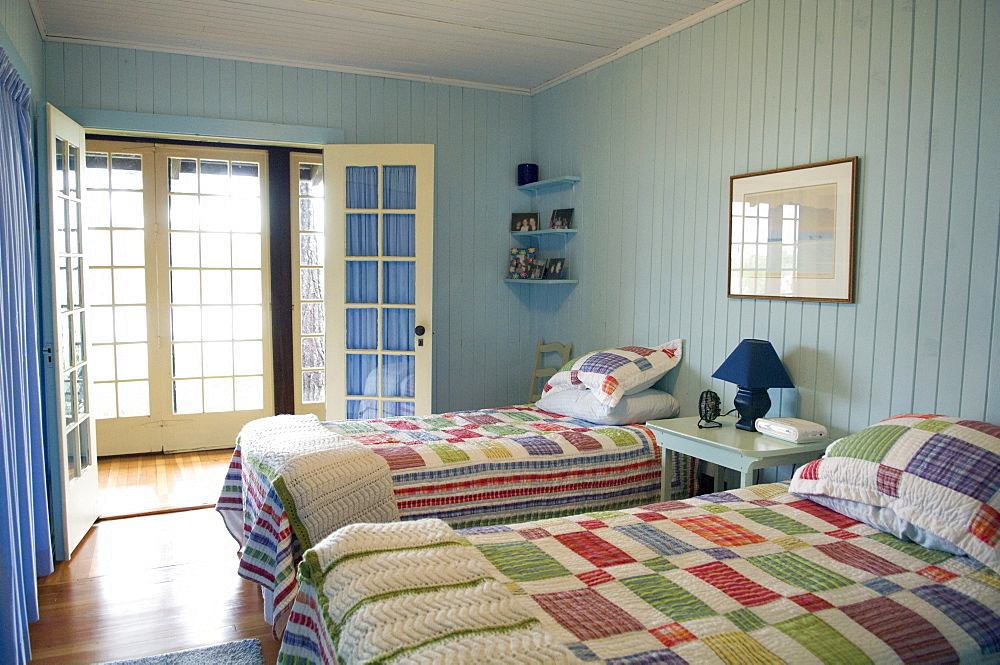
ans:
x=823 y=513
x=911 y=636
x=852 y=555
x=594 y=549
x=719 y=530
x=518 y=492
x=735 y=585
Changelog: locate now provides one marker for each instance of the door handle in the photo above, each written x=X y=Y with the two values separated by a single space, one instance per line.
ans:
x=419 y=331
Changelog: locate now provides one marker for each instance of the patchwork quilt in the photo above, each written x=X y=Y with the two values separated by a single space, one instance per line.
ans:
x=755 y=575
x=467 y=468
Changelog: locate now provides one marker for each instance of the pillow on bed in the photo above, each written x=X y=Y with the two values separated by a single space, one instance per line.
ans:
x=639 y=407
x=933 y=473
x=614 y=373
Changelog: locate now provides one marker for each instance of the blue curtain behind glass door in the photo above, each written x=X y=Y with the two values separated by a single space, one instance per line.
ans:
x=25 y=544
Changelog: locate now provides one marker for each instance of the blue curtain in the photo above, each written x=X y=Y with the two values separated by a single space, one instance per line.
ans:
x=25 y=543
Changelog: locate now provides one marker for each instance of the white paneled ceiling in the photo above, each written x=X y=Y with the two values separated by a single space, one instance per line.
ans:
x=515 y=45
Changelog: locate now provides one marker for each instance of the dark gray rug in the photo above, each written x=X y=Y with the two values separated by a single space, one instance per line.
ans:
x=243 y=652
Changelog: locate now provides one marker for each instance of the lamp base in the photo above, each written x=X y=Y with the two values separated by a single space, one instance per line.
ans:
x=751 y=404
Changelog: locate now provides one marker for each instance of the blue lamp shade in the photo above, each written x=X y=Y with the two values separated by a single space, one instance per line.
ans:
x=754 y=367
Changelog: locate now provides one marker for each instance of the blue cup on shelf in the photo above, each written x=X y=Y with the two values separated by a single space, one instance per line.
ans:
x=527 y=173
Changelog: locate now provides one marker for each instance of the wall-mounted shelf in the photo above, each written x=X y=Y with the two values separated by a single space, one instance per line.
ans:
x=551 y=183
x=543 y=233
x=542 y=281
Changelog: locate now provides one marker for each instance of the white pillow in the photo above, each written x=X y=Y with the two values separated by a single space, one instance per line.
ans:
x=613 y=373
x=639 y=407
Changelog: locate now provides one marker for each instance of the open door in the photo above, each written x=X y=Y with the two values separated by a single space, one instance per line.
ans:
x=72 y=447
x=379 y=271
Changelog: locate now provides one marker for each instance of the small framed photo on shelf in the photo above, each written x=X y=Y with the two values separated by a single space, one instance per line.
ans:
x=521 y=261
x=523 y=221
x=538 y=269
x=554 y=268
x=562 y=218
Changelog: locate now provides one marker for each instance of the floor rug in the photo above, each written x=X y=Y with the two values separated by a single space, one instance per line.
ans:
x=243 y=652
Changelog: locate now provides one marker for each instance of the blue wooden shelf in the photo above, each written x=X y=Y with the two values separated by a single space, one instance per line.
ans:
x=551 y=183
x=542 y=281
x=542 y=233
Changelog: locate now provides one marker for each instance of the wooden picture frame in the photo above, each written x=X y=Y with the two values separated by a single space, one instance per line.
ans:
x=555 y=267
x=791 y=232
x=562 y=218
x=523 y=221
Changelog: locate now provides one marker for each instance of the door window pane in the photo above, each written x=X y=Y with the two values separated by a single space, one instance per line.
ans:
x=249 y=393
x=130 y=286
x=311 y=212
x=185 y=287
x=398 y=327
x=218 y=358
x=187 y=396
x=362 y=234
x=311 y=249
x=313 y=387
x=187 y=360
x=362 y=328
x=362 y=409
x=399 y=284
x=362 y=376
x=312 y=319
x=311 y=283
x=132 y=361
x=397 y=409
x=246 y=250
x=126 y=171
x=400 y=187
x=362 y=282
x=218 y=395
x=397 y=376
x=399 y=235
x=248 y=358
x=313 y=353
x=311 y=180
x=126 y=210
x=183 y=175
x=133 y=399
x=362 y=186
x=185 y=213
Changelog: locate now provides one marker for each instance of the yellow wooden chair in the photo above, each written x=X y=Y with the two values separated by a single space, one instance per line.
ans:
x=542 y=371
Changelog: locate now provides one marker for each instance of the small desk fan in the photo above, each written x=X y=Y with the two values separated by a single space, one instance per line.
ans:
x=709 y=408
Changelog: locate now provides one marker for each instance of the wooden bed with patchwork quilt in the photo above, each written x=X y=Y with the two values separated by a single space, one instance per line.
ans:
x=900 y=565
x=293 y=479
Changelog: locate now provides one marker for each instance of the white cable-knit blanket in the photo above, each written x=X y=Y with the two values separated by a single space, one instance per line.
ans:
x=324 y=480
x=416 y=592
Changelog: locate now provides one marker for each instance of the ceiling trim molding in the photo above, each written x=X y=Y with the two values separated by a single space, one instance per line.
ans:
x=36 y=13
x=304 y=64
x=673 y=28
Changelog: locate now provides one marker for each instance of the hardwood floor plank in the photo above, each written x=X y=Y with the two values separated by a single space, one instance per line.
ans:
x=148 y=585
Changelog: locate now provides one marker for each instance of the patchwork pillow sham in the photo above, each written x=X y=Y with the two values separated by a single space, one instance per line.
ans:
x=613 y=373
x=935 y=473
x=648 y=404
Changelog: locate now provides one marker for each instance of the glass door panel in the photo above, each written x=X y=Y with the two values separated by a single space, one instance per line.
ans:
x=73 y=467
x=380 y=229
x=309 y=326
x=180 y=287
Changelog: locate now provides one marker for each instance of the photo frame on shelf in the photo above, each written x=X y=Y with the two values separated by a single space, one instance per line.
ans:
x=523 y=221
x=791 y=232
x=537 y=269
x=562 y=218
x=521 y=261
x=555 y=268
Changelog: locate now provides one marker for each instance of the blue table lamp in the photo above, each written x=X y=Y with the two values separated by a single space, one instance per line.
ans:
x=754 y=367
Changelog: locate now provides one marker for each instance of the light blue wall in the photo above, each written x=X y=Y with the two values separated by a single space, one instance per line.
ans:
x=20 y=39
x=909 y=86
x=479 y=323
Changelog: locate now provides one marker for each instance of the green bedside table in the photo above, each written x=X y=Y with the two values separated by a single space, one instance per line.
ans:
x=728 y=447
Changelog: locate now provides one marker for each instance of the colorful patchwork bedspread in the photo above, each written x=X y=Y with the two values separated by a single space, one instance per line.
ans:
x=755 y=575
x=467 y=468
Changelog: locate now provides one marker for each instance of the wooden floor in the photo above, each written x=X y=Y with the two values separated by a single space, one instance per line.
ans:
x=143 y=484
x=148 y=585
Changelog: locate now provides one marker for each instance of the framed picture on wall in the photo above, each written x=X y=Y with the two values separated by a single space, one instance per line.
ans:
x=554 y=268
x=562 y=218
x=523 y=221
x=791 y=232
x=521 y=261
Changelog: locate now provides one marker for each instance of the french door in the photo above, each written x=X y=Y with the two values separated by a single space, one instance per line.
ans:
x=179 y=285
x=73 y=461
x=378 y=282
